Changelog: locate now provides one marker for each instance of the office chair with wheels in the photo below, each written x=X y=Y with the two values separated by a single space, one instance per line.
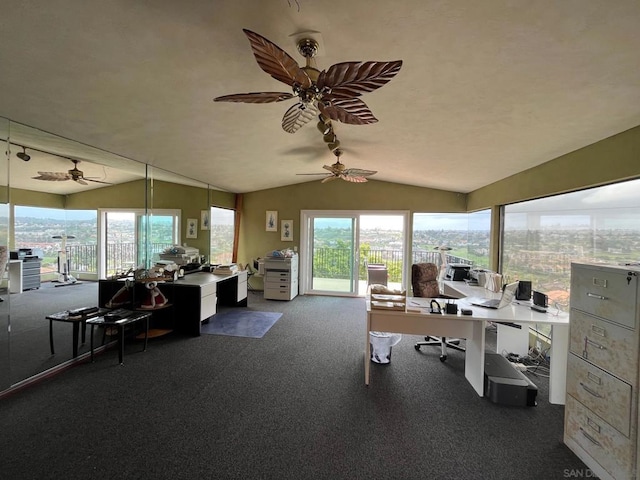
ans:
x=424 y=282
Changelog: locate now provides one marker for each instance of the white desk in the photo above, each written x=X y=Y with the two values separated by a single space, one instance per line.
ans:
x=510 y=340
x=416 y=320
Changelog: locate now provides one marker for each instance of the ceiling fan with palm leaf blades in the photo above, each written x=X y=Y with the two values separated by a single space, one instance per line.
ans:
x=333 y=92
x=74 y=174
x=339 y=170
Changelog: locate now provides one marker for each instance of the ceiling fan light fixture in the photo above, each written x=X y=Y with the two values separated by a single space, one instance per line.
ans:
x=23 y=155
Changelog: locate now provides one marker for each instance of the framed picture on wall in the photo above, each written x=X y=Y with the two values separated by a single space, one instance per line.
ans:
x=204 y=220
x=192 y=228
x=286 y=231
x=272 y=221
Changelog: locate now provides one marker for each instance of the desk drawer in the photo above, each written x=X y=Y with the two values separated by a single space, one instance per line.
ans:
x=208 y=306
x=607 y=345
x=242 y=290
x=605 y=293
x=31 y=267
x=277 y=276
x=607 y=396
x=277 y=294
x=208 y=289
x=612 y=450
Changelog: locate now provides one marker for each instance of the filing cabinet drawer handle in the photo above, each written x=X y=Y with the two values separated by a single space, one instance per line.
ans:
x=590 y=438
x=596 y=344
x=593 y=295
x=589 y=390
x=599 y=282
x=593 y=425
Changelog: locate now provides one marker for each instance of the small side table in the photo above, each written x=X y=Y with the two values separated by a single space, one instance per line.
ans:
x=120 y=326
x=76 y=321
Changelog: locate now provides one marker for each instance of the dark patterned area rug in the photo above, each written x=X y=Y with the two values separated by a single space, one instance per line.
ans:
x=241 y=323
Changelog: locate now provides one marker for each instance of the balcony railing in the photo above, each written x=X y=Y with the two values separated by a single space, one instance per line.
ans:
x=336 y=262
x=327 y=262
x=120 y=257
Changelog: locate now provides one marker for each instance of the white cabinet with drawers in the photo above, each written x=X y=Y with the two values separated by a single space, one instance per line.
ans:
x=601 y=411
x=281 y=277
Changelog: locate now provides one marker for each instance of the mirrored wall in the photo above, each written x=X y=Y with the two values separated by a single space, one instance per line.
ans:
x=70 y=215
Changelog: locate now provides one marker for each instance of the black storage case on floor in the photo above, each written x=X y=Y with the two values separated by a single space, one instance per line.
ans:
x=505 y=385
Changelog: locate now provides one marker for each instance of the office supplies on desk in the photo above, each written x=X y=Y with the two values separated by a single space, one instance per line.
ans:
x=82 y=311
x=540 y=302
x=117 y=314
x=508 y=294
x=451 y=308
x=457 y=271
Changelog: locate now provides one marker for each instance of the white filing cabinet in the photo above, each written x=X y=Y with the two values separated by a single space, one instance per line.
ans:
x=281 y=277
x=601 y=412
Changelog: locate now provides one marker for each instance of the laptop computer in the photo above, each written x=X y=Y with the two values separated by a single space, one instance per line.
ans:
x=508 y=294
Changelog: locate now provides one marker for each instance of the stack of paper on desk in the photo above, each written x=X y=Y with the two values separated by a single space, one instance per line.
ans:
x=388 y=302
x=225 y=269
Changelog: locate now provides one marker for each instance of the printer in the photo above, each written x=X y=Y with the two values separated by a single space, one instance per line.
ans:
x=181 y=255
x=457 y=271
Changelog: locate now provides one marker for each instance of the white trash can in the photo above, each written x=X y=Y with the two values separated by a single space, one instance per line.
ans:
x=380 y=344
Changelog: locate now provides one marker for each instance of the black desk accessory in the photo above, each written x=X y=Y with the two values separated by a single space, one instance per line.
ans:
x=451 y=308
x=117 y=314
x=540 y=302
x=435 y=309
x=524 y=290
x=82 y=311
x=466 y=311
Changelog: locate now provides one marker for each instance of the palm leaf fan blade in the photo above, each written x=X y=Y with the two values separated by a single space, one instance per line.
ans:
x=352 y=79
x=255 y=97
x=329 y=178
x=359 y=172
x=352 y=179
x=352 y=111
x=276 y=62
x=53 y=176
x=297 y=116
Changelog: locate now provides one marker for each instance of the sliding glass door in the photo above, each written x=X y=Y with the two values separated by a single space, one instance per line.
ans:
x=333 y=256
x=336 y=247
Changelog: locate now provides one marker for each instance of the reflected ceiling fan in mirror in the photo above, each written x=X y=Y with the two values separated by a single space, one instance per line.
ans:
x=333 y=92
x=339 y=170
x=74 y=174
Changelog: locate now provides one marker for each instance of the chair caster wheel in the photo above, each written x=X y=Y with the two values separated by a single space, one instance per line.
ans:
x=417 y=347
x=427 y=339
x=443 y=358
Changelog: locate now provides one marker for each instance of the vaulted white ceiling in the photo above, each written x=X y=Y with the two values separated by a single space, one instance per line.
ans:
x=487 y=88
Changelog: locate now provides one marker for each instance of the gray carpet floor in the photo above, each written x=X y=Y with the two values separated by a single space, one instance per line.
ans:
x=29 y=349
x=291 y=405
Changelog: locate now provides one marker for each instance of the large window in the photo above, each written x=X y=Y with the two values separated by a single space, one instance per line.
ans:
x=466 y=234
x=222 y=224
x=542 y=237
x=37 y=228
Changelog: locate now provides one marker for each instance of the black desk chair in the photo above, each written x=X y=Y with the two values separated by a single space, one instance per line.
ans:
x=424 y=282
